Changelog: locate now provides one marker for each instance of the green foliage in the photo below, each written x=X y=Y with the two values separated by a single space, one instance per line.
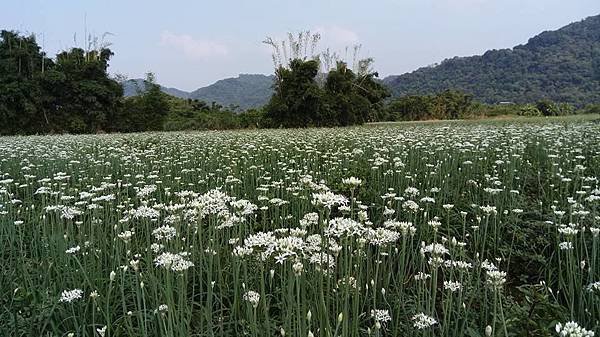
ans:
x=452 y=104
x=191 y=114
x=146 y=112
x=592 y=109
x=37 y=95
x=353 y=98
x=85 y=99
x=345 y=98
x=549 y=108
x=596 y=63
x=21 y=64
x=298 y=100
x=529 y=110
x=449 y=104
x=561 y=65
x=537 y=313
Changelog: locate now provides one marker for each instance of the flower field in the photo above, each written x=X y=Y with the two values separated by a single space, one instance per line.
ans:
x=443 y=229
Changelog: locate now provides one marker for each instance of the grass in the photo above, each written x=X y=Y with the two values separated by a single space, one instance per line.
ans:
x=426 y=229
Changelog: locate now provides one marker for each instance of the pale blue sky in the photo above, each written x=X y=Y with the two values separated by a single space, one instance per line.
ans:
x=189 y=44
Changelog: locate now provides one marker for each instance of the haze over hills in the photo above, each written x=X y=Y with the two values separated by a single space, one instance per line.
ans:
x=561 y=65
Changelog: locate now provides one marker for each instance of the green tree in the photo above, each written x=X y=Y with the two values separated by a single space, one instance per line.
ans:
x=411 y=107
x=85 y=97
x=352 y=99
x=547 y=108
x=145 y=112
x=21 y=63
x=596 y=63
x=450 y=104
x=455 y=103
x=529 y=110
x=297 y=100
x=38 y=95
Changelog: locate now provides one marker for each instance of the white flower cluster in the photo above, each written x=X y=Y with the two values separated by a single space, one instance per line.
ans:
x=381 y=236
x=436 y=249
x=66 y=212
x=165 y=233
x=126 y=235
x=252 y=297
x=145 y=191
x=593 y=287
x=175 y=262
x=405 y=228
x=381 y=316
x=568 y=231
x=421 y=276
x=452 y=286
x=244 y=207
x=572 y=329
x=352 y=181
x=411 y=192
x=566 y=245
x=212 y=202
x=329 y=199
x=343 y=227
x=309 y=219
x=144 y=212
x=495 y=278
x=73 y=250
x=410 y=206
x=422 y=321
x=290 y=245
x=69 y=296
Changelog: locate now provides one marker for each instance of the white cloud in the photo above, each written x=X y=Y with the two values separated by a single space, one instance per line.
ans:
x=338 y=36
x=193 y=48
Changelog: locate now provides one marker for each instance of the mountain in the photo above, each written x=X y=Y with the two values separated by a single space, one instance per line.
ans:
x=245 y=91
x=132 y=87
x=561 y=65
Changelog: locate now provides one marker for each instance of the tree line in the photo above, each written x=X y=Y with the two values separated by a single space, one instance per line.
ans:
x=73 y=93
x=454 y=104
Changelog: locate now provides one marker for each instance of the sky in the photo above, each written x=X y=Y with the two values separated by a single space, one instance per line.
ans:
x=190 y=44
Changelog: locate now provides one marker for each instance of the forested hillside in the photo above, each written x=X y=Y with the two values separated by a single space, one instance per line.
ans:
x=561 y=65
x=245 y=91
